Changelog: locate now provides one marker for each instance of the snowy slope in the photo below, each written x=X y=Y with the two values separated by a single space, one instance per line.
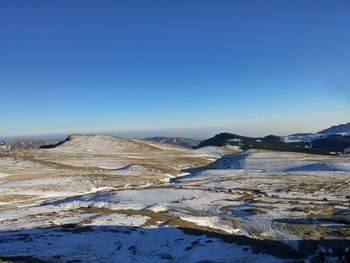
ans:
x=215 y=151
x=271 y=161
x=103 y=143
x=337 y=129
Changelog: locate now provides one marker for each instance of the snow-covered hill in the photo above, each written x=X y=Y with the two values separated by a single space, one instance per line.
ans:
x=215 y=151
x=185 y=142
x=302 y=137
x=103 y=143
x=341 y=129
x=272 y=161
x=337 y=129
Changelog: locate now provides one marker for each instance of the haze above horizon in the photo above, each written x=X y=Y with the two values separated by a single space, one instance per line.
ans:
x=187 y=67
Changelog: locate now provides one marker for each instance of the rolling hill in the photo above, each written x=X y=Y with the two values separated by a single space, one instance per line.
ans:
x=184 y=142
x=9 y=145
x=342 y=128
x=323 y=145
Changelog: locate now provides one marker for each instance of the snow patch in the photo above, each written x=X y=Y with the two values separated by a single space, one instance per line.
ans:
x=212 y=222
x=2 y=175
x=119 y=220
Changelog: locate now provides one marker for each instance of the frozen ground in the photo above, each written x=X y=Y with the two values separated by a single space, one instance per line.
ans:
x=138 y=201
x=122 y=244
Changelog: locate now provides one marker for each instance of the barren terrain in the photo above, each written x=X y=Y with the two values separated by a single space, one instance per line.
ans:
x=110 y=199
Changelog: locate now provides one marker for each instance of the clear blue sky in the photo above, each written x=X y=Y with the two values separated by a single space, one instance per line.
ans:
x=196 y=67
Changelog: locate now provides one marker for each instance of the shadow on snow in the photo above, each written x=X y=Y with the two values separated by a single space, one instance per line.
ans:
x=77 y=243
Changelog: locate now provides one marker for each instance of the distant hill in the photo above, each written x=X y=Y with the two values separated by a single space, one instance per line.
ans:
x=9 y=145
x=301 y=134
x=185 y=142
x=302 y=137
x=332 y=143
x=342 y=128
x=101 y=143
x=270 y=142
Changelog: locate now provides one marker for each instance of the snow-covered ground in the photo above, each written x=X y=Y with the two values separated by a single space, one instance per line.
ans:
x=3 y=175
x=118 y=204
x=302 y=137
x=123 y=244
x=216 y=152
x=270 y=161
x=310 y=137
x=152 y=199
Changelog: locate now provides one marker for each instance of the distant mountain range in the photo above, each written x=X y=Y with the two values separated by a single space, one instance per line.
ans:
x=296 y=141
x=342 y=128
x=8 y=145
x=331 y=144
x=270 y=142
x=185 y=142
x=329 y=141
